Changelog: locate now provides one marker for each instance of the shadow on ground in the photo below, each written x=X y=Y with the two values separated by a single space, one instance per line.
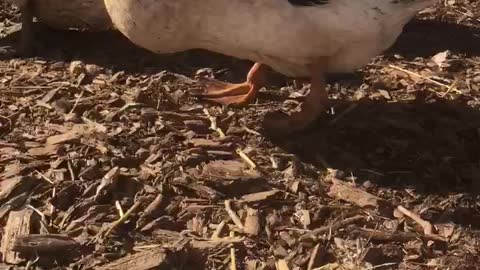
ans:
x=424 y=38
x=432 y=147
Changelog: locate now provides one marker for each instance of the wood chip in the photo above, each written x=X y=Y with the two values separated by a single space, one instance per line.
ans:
x=154 y=207
x=43 y=244
x=221 y=170
x=252 y=222
x=343 y=191
x=305 y=219
x=12 y=187
x=18 y=224
x=74 y=134
x=282 y=265
x=48 y=150
x=150 y=259
x=259 y=196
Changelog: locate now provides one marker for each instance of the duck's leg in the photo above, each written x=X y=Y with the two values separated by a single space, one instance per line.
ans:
x=26 y=36
x=278 y=123
x=235 y=94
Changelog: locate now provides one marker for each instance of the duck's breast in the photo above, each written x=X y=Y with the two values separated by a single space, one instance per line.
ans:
x=161 y=26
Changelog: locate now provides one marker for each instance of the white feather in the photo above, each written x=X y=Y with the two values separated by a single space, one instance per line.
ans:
x=273 y=32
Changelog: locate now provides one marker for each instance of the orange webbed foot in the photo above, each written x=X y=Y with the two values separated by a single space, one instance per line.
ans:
x=228 y=93
x=239 y=94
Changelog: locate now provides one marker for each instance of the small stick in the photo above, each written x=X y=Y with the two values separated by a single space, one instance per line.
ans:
x=427 y=226
x=119 y=208
x=393 y=236
x=70 y=169
x=251 y=131
x=213 y=123
x=333 y=227
x=247 y=159
x=124 y=218
x=77 y=101
x=45 y=177
x=213 y=126
x=52 y=207
x=423 y=77
x=233 y=260
x=233 y=215
x=218 y=230
x=450 y=88
x=311 y=262
x=43 y=219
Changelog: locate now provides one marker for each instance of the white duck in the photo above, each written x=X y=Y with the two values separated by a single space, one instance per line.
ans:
x=299 y=38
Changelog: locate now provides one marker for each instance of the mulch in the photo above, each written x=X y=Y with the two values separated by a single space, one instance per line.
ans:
x=108 y=162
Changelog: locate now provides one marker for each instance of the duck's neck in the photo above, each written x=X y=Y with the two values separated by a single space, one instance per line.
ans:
x=400 y=13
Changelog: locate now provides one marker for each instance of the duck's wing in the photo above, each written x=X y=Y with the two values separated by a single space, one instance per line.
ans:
x=308 y=2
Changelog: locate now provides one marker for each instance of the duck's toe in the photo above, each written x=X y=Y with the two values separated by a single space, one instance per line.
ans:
x=227 y=93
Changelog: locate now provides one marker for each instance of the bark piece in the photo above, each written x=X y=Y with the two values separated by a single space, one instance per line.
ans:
x=12 y=187
x=346 y=192
x=18 y=224
x=150 y=259
x=43 y=243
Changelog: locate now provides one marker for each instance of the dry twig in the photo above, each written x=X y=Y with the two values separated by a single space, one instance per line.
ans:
x=425 y=78
x=427 y=226
x=233 y=215
x=333 y=227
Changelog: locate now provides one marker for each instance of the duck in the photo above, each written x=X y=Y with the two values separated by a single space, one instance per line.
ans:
x=297 y=38
x=61 y=15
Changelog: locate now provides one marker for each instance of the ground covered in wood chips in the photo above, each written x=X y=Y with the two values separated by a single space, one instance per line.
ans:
x=108 y=162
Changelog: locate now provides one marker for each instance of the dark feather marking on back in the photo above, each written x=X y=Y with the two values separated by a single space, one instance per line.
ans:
x=308 y=2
